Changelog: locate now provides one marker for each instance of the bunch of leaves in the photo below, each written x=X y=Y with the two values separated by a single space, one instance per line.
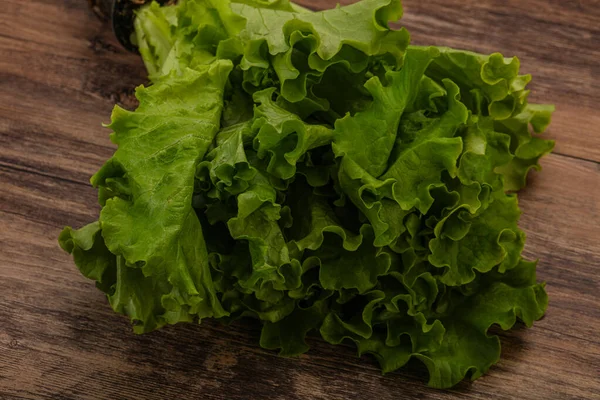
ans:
x=314 y=171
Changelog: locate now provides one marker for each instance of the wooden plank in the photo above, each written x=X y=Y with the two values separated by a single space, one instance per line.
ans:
x=59 y=327
x=59 y=87
x=74 y=78
x=60 y=74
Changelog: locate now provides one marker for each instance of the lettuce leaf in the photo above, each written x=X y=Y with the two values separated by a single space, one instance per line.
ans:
x=313 y=171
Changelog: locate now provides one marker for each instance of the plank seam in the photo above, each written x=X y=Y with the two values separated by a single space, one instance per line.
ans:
x=39 y=173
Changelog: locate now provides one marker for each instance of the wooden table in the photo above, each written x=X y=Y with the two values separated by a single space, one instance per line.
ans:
x=61 y=71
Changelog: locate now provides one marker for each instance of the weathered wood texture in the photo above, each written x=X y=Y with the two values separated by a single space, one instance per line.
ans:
x=61 y=72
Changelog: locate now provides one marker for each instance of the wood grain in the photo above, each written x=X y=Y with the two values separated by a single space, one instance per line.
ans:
x=60 y=74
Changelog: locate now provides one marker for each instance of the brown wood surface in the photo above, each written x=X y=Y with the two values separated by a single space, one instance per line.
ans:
x=60 y=74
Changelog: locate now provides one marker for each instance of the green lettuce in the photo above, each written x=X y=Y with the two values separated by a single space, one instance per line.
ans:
x=316 y=172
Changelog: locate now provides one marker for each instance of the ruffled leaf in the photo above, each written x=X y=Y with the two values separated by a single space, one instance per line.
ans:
x=465 y=244
x=164 y=243
x=368 y=136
